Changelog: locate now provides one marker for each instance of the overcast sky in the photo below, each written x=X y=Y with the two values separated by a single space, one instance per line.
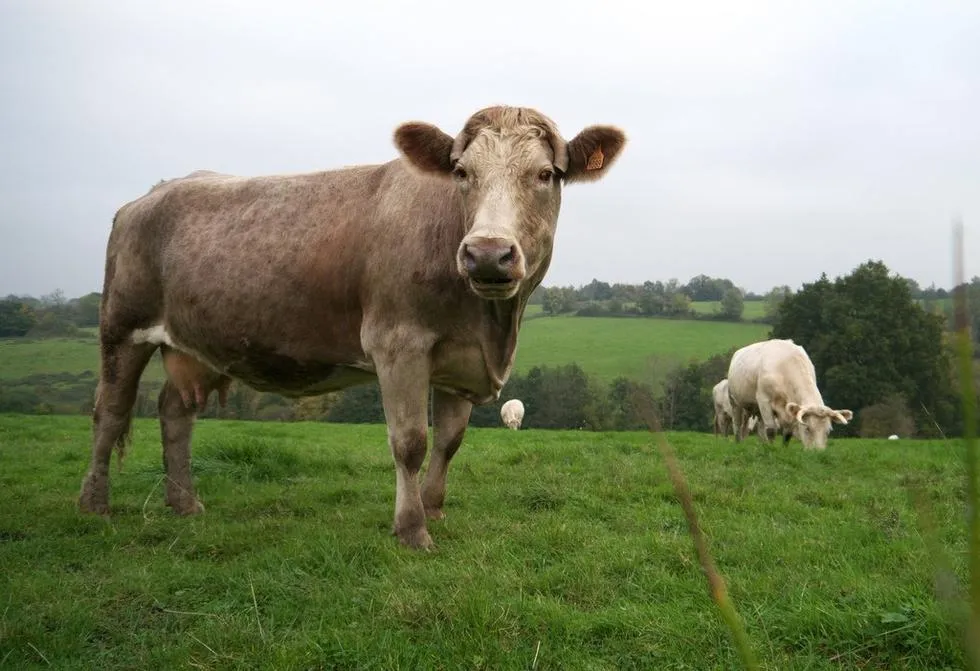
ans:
x=769 y=141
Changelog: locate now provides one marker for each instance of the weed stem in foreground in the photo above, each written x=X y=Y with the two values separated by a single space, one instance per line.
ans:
x=716 y=584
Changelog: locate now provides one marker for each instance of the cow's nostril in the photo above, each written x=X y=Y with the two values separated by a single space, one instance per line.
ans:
x=508 y=256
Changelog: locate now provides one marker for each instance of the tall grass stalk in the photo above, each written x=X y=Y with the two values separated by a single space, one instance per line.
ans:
x=964 y=351
x=716 y=583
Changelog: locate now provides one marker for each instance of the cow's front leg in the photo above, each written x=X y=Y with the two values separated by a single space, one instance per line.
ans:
x=450 y=415
x=405 y=396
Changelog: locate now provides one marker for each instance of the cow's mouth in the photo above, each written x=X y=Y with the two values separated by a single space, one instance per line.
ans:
x=494 y=288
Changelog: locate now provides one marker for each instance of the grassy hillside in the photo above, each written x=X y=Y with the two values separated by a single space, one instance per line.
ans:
x=560 y=550
x=752 y=309
x=639 y=348
x=22 y=357
x=604 y=347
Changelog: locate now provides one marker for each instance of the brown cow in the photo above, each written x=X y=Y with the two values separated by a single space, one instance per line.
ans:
x=415 y=272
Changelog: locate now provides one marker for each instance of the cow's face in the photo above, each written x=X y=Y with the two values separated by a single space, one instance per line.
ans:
x=508 y=165
x=812 y=424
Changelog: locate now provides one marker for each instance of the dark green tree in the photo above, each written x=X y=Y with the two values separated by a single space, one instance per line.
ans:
x=869 y=340
x=732 y=304
x=16 y=318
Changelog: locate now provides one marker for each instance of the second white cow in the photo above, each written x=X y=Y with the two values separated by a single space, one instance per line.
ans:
x=512 y=413
x=724 y=416
x=778 y=378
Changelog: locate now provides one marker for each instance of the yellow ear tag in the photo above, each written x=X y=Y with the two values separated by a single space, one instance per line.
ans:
x=595 y=160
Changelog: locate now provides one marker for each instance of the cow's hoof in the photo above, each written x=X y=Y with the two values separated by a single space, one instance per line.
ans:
x=94 y=498
x=417 y=539
x=187 y=507
x=435 y=513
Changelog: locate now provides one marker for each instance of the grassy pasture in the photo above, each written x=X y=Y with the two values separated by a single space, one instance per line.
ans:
x=560 y=550
x=604 y=347
x=645 y=349
x=751 y=309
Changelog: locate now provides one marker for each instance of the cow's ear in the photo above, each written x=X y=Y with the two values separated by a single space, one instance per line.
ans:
x=425 y=147
x=793 y=408
x=591 y=153
x=843 y=416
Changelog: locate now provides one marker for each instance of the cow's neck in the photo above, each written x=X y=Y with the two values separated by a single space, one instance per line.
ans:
x=504 y=321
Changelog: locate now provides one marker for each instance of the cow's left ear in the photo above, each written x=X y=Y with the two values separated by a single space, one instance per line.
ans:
x=425 y=147
x=843 y=416
x=590 y=154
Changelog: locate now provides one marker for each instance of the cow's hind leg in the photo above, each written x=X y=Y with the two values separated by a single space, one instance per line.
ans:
x=122 y=365
x=450 y=415
x=739 y=417
x=184 y=394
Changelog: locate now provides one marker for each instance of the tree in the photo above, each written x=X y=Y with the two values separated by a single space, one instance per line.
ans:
x=16 y=318
x=775 y=298
x=732 y=304
x=557 y=300
x=870 y=341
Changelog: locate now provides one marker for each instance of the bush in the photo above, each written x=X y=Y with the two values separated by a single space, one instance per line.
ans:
x=890 y=416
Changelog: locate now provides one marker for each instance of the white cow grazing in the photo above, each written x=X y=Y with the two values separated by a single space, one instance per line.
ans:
x=512 y=413
x=778 y=378
x=724 y=417
x=723 y=408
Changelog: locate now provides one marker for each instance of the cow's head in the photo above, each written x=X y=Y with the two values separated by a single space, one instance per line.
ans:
x=508 y=164
x=813 y=423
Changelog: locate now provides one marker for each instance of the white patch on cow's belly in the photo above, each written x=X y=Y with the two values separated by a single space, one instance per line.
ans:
x=155 y=335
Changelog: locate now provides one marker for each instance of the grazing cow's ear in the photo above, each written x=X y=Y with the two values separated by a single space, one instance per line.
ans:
x=793 y=409
x=424 y=146
x=588 y=156
x=843 y=416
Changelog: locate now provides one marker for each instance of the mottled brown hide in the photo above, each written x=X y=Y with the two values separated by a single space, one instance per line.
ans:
x=414 y=273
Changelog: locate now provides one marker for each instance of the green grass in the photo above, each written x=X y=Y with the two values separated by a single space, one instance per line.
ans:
x=752 y=309
x=644 y=349
x=605 y=347
x=561 y=550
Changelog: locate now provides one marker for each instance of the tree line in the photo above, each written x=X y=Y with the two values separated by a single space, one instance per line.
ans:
x=675 y=300
x=877 y=347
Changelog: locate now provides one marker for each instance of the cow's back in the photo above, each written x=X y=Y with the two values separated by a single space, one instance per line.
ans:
x=789 y=373
x=253 y=274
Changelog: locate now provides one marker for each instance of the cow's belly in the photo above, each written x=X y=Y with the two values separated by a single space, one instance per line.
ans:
x=286 y=367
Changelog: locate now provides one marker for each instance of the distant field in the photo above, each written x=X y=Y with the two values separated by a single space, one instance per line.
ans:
x=643 y=349
x=751 y=309
x=20 y=358
x=605 y=347
x=560 y=550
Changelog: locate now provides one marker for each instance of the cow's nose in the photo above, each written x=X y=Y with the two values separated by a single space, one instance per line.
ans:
x=490 y=259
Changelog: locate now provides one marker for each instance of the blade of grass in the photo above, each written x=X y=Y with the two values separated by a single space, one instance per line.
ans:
x=716 y=583
x=964 y=351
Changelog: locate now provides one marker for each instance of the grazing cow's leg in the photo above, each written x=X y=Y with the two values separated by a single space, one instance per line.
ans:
x=767 y=418
x=738 y=422
x=405 y=396
x=176 y=427
x=450 y=415
x=122 y=365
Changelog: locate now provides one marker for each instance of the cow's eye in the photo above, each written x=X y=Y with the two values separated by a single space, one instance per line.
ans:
x=459 y=172
x=546 y=175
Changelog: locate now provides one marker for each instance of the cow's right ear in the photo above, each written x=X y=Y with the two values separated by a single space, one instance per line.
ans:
x=793 y=409
x=425 y=147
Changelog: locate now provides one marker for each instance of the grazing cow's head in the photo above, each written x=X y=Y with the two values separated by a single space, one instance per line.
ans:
x=813 y=423
x=508 y=164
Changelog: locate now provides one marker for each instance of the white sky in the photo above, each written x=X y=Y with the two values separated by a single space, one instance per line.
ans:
x=769 y=141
